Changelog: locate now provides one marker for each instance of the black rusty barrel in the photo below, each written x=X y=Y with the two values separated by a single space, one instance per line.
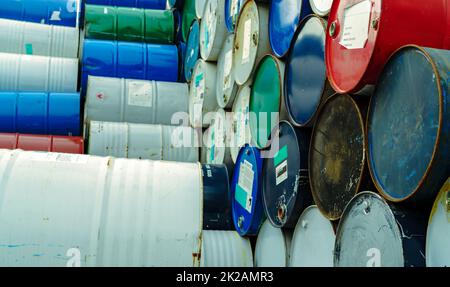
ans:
x=337 y=154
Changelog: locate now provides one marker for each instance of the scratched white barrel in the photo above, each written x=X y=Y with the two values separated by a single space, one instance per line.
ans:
x=212 y=30
x=28 y=73
x=225 y=249
x=115 y=212
x=143 y=141
x=217 y=150
x=272 y=246
x=38 y=39
x=438 y=231
x=202 y=93
x=199 y=8
x=240 y=131
x=226 y=87
x=251 y=39
x=313 y=240
x=135 y=101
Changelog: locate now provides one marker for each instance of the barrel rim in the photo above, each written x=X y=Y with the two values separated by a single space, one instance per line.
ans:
x=439 y=131
x=288 y=60
x=318 y=12
x=362 y=164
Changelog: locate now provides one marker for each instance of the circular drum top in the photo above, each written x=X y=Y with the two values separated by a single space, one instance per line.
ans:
x=199 y=8
x=285 y=185
x=321 y=7
x=403 y=123
x=265 y=99
x=368 y=234
x=226 y=86
x=337 y=155
x=218 y=138
x=313 y=240
x=271 y=247
x=241 y=127
x=306 y=77
x=192 y=50
x=346 y=44
x=284 y=17
x=438 y=232
x=246 y=192
x=232 y=9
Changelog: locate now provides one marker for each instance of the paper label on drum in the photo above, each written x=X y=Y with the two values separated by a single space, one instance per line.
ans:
x=140 y=94
x=355 y=30
x=280 y=163
x=227 y=70
x=247 y=39
x=245 y=185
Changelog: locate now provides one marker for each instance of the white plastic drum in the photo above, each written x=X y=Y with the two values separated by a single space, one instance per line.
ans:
x=313 y=240
x=218 y=151
x=438 y=232
x=80 y=210
x=136 y=101
x=321 y=7
x=272 y=246
x=202 y=93
x=199 y=8
x=226 y=87
x=28 y=73
x=212 y=30
x=240 y=131
x=251 y=40
x=225 y=249
x=38 y=39
x=143 y=141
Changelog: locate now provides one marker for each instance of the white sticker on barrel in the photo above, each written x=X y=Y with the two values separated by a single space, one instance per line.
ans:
x=355 y=30
x=140 y=94
x=281 y=172
x=247 y=40
x=227 y=70
x=245 y=182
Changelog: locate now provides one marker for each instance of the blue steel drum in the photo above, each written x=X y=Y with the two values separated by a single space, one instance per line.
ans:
x=181 y=58
x=52 y=12
x=129 y=60
x=192 y=50
x=305 y=84
x=285 y=181
x=40 y=113
x=146 y=4
x=408 y=126
x=247 y=207
x=178 y=15
x=284 y=18
x=216 y=198
x=232 y=9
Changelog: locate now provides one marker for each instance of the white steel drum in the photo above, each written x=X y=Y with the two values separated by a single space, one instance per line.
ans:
x=199 y=8
x=321 y=7
x=226 y=87
x=240 y=131
x=212 y=30
x=272 y=246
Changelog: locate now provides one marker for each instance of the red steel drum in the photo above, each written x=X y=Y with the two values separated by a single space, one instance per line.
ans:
x=63 y=144
x=363 y=34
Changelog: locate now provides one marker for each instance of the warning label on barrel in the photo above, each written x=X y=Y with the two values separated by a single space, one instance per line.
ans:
x=140 y=94
x=245 y=186
x=247 y=39
x=355 y=30
x=281 y=166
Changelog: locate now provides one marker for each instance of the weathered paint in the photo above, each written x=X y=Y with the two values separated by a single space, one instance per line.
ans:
x=313 y=240
x=240 y=132
x=29 y=73
x=113 y=212
x=232 y=10
x=272 y=246
x=63 y=144
x=212 y=30
x=192 y=50
x=226 y=87
x=135 y=101
x=188 y=17
x=143 y=141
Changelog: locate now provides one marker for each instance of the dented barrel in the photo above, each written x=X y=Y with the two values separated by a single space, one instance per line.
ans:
x=63 y=144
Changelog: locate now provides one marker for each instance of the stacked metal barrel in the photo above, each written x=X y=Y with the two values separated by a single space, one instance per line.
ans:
x=224 y=133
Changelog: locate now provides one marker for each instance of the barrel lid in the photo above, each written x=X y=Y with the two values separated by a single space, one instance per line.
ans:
x=199 y=8
x=337 y=155
x=192 y=50
x=246 y=42
x=351 y=39
x=285 y=186
x=218 y=138
x=438 y=232
x=368 y=234
x=271 y=247
x=211 y=30
x=246 y=192
x=313 y=240
x=265 y=99
x=321 y=7
x=197 y=91
x=226 y=87
x=306 y=72
x=284 y=17
x=232 y=9
x=240 y=132
x=188 y=17
x=403 y=125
